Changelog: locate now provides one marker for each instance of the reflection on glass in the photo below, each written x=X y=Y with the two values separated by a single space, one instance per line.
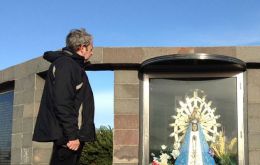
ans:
x=193 y=122
x=6 y=115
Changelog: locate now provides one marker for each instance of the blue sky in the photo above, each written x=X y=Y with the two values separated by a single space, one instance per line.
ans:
x=102 y=83
x=30 y=27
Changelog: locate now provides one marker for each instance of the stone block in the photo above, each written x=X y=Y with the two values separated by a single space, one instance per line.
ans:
x=254 y=158
x=110 y=55
x=18 y=85
x=122 y=55
x=28 y=96
x=125 y=154
x=38 y=95
x=150 y=52
x=28 y=110
x=97 y=56
x=126 y=106
x=254 y=111
x=227 y=51
x=34 y=121
x=46 y=145
x=17 y=126
x=33 y=64
x=27 y=140
x=17 y=140
x=28 y=125
x=26 y=83
x=253 y=76
x=253 y=125
x=18 y=98
x=126 y=121
x=41 y=155
x=126 y=77
x=39 y=82
x=29 y=82
x=26 y=68
x=36 y=109
x=42 y=65
x=20 y=71
x=253 y=140
x=126 y=91
x=26 y=157
x=126 y=137
x=253 y=117
x=17 y=111
x=253 y=86
x=248 y=53
x=16 y=155
x=23 y=97
x=8 y=74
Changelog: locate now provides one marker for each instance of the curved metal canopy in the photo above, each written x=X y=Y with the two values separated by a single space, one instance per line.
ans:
x=199 y=62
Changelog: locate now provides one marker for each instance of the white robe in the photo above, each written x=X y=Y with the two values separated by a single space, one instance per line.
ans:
x=195 y=157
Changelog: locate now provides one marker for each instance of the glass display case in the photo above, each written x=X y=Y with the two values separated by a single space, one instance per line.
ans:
x=193 y=110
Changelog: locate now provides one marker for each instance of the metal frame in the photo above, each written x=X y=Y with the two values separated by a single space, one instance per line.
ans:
x=241 y=110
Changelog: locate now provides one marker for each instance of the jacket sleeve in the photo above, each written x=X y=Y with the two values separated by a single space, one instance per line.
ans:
x=64 y=95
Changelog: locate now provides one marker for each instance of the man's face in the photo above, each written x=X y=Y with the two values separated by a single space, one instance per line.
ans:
x=88 y=51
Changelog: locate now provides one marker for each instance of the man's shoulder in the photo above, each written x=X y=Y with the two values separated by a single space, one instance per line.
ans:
x=65 y=61
x=64 y=65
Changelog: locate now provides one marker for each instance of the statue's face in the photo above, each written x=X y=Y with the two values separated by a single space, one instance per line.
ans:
x=194 y=127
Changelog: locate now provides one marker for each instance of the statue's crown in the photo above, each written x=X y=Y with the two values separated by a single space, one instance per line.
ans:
x=195 y=115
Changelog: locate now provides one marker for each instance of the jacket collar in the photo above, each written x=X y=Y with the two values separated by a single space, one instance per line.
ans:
x=76 y=57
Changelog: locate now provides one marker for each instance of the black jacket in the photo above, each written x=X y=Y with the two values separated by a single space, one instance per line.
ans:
x=66 y=88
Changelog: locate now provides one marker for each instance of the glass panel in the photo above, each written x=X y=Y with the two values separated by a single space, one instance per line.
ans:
x=6 y=111
x=196 y=119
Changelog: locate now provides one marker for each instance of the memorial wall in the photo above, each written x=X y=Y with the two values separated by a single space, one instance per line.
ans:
x=215 y=97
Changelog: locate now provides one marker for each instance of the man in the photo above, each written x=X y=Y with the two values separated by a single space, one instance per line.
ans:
x=66 y=114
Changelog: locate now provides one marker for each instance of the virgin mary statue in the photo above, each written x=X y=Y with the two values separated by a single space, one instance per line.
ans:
x=194 y=149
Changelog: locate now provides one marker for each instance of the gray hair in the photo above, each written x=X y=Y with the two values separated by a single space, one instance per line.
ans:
x=77 y=38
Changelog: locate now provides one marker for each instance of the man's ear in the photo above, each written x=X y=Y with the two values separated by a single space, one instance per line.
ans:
x=80 y=49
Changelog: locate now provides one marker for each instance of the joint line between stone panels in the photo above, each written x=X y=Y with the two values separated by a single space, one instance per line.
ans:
x=253 y=132
x=254 y=102
x=17 y=105
x=257 y=149
x=127 y=145
x=126 y=114
x=102 y=56
x=34 y=95
x=35 y=81
x=126 y=83
x=19 y=91
x=128 y=98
